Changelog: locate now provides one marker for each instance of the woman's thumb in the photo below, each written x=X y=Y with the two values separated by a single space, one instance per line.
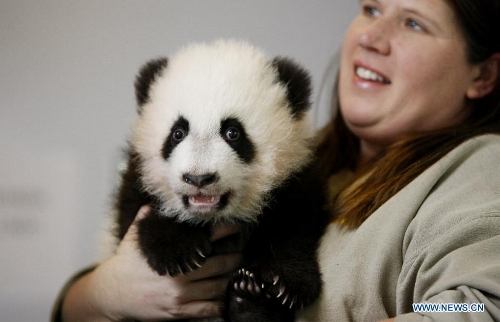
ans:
x=132 y=230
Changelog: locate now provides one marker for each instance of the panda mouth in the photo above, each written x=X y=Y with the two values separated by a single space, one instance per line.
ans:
x=205 y=202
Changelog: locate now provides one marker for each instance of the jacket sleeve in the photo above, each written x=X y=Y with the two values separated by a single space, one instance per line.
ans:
x=451 y=249
x=458 y=276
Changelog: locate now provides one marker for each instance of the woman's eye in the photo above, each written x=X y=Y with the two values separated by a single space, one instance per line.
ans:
x=178 y=135
x=232 y=134
x=371 y=11
x=412 y=24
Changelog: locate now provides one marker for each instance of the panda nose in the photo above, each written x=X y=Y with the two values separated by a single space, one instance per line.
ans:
x=199 y=180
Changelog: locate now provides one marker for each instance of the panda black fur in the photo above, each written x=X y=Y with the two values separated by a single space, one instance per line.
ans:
x=222 y=135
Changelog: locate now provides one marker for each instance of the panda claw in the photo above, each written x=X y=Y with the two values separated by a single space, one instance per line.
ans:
x=248 y=273
x=282 y=291
x=197 y=264
x=285 y=299
x=276 y=279
x=200 y=253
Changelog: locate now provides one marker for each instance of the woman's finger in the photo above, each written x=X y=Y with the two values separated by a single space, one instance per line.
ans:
x=142 y=213
x=200 y=309
x=222 y=230
x=129 y=241
x=205 y=290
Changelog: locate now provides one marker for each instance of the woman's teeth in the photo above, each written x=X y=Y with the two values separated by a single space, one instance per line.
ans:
x=370 y=75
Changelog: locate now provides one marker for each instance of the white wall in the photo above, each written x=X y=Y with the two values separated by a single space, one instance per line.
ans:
x=66 y=99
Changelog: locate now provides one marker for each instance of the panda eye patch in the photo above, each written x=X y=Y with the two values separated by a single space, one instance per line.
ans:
x=232 y=134
x=178 y=132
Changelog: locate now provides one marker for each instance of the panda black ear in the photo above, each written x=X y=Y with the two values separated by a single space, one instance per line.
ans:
x=148 y=73
x=297 y=82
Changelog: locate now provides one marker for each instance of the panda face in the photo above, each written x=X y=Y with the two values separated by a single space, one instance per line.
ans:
x=209 y=165
x=216 y=133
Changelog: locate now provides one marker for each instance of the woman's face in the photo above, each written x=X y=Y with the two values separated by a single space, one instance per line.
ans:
x=404 y=69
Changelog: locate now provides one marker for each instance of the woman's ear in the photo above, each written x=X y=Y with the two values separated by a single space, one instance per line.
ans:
x=486 y=77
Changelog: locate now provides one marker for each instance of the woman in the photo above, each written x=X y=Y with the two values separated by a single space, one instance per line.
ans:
x=418 y=217
x=418 y=223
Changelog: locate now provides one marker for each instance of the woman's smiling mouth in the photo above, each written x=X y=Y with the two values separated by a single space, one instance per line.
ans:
x=370 y=75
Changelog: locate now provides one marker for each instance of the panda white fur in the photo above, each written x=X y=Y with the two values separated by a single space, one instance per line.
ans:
x=222 y=135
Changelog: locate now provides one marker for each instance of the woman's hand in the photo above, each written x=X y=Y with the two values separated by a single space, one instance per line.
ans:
x=124 y=286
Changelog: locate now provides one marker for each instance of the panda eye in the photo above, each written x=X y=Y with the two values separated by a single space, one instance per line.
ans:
x=178 y=135
x=232 y=134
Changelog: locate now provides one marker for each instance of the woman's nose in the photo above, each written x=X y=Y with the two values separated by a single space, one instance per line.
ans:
x=376 y=37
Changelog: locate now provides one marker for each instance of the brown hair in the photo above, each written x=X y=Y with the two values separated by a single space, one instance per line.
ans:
x=338 y=148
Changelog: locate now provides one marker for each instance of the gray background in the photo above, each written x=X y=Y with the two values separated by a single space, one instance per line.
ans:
x=66 y=101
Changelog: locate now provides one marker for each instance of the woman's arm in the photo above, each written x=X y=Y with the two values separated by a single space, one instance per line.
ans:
x=124 y=286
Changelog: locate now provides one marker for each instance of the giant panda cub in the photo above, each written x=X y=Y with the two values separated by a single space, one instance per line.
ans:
x=222 y=135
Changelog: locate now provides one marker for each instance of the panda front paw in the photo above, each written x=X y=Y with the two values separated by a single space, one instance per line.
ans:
x=172 y=248
x=246 y=282
x=249 y=283
x=290 y=290
x=248 y=301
